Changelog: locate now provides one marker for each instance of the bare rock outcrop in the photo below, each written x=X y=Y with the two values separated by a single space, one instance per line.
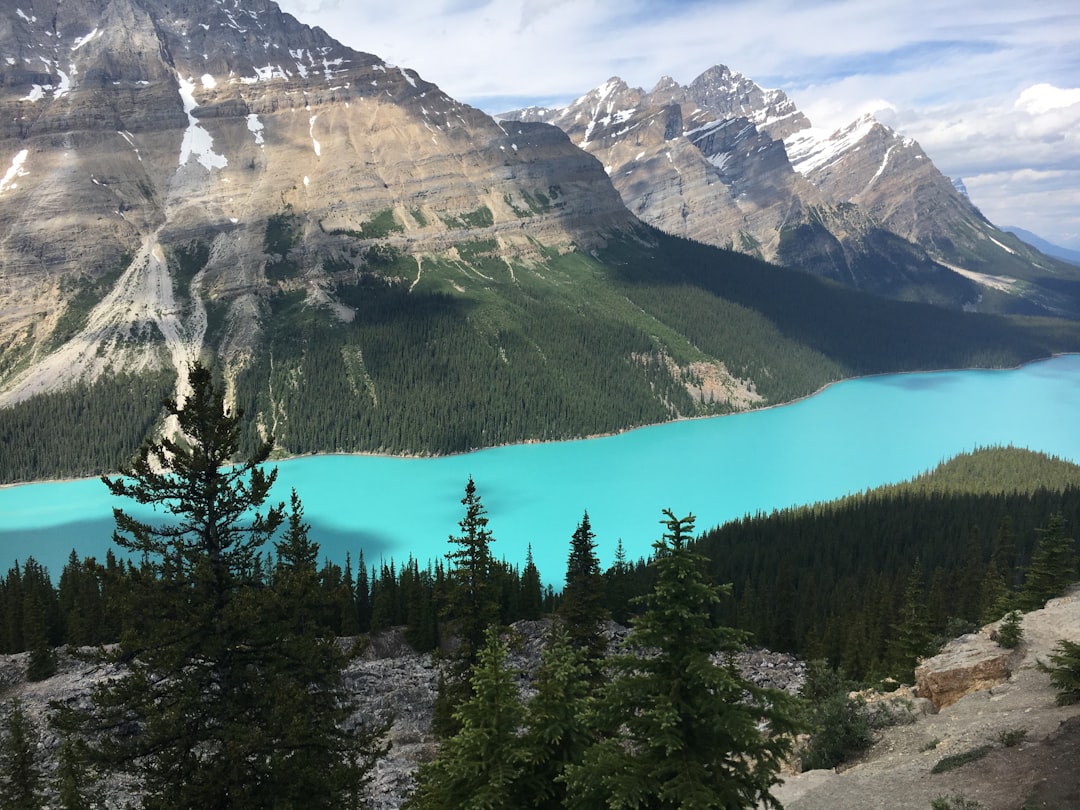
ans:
x=968 y=664
x=1030 y=744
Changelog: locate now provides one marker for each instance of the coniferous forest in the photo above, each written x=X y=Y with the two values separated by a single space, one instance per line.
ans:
x=231 y=609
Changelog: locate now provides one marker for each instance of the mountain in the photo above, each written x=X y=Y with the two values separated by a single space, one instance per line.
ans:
x=725 y=162
x=1049 y=248
x=369 y=264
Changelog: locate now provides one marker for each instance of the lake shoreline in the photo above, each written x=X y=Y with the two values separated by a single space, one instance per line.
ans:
x=609 y=434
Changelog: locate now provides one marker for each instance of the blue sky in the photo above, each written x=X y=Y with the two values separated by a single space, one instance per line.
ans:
x=991 y=90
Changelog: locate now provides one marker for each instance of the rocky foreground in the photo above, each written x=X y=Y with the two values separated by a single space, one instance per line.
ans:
x=388 y=680
x=973 y=693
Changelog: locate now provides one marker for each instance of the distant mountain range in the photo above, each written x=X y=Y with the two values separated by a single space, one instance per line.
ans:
x=1049 y=248
x=371 y=265
x=724 y=162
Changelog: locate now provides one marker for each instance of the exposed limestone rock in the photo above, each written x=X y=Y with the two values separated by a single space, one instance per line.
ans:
x=725 y=162
x=133 y=128
x=968 y=664
x=1038 y=771
x=387 y=680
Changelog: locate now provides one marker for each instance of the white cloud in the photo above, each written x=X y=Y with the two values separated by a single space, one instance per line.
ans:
x=1042 y=98
x=985 y=87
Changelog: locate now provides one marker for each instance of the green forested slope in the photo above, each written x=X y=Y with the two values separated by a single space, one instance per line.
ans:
x=829 y=579
x=474 y=348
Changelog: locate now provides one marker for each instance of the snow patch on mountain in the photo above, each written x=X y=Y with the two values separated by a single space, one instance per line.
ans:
x=14 y=171
x=197 y=141
x=814 y=148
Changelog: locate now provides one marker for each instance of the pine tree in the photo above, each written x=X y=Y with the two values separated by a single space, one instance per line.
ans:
x=677 y=728
x=582 y=610
x=230 y=691
x=556 y=732
x=20 y=772
x=480 y=767
x=472 y=606
x=474 y=602
x=315 y=759
x=912 y=638
x=1053 y=565
x=72 y=781
x=532 y=593
x=1064 y=669
x=42 y=663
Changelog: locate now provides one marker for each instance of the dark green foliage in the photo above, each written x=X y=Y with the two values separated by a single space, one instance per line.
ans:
x=676 y=728
x=556 y=731
x=282 y=234
x=1052 y=567
x=911 y=638
x=185 y=262
x=1012 y=737
x=1011 y=630
x=472 y=606
x=74 y=786
x=82 y=297
x=20 y=772
x=532 y=595
x=840 y=726
x=233 y=689
x=478 y=218
x=480 y=766
x=85 y=430
x=828 y=580
x=1064 y=669
x=963 y=758
x=582 y=611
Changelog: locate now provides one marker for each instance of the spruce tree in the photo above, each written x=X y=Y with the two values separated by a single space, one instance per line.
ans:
x=556 y=731
x=1053 y=565
x=20 y=772
x=582 y=610
x=472 y=606
x=72 y=781
x=912 y=638
x=228 y=685
x=677 y=727
x=480 y=767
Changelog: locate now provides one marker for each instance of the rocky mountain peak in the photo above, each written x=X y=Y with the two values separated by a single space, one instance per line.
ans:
x=724 y=161
x=135 y=128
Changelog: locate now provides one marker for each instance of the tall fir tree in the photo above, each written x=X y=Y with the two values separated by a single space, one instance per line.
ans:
x=472 y=605
x=556 y=730
x=479 y=767
x=582 y=610
x=677 y=727
x=1052 y=567
x=210 y=676
x=532 y=592
x=20 y=771
x=912 y=638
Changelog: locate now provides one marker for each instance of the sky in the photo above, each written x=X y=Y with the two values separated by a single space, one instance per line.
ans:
x=989 y=89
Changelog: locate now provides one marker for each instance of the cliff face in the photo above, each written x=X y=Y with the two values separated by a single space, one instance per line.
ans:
x=130 y=130
x=725 y=162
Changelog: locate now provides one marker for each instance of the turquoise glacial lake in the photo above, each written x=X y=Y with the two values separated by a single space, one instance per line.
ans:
x=853 y=435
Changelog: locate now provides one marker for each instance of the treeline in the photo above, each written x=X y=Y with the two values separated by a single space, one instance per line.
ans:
x=838 y=580
x=90 y=603
x=423 y=373
x=88 y=430
x=831 y=581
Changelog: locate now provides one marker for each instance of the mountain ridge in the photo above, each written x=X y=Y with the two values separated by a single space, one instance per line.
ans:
x=370 y=265
x=725 y=162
